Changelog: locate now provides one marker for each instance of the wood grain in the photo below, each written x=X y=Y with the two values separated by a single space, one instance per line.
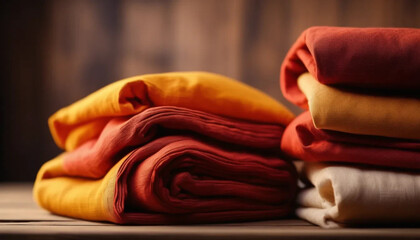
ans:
x=21 y=218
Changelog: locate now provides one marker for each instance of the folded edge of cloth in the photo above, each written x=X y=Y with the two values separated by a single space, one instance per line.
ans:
x=303 y=141
x=357 y=196
x=76 y=197
x=173 y=180
x=212 y=93
x=377 y=58
x=95 y=157
x=352 y=112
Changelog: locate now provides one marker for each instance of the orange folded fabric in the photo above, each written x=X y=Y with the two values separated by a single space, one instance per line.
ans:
x=170 y=148
x=171 y=179
x=207 y=92
x=339 y=110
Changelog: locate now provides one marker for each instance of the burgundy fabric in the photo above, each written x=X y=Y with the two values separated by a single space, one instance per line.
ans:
x=377 y=58
x=302 y=140
x=94 y=158
x=179 y=179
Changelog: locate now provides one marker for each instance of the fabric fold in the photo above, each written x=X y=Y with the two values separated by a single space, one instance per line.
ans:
x=359 y=196
x=360 y=89
x=173 y=180
x=302 y=140
x=73 y=125
x=352 y=112
x=172 y=148
x=370 y=58
x=202 y=182
x=95 y=157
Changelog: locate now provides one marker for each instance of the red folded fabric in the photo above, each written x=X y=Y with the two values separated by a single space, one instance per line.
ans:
x=302 y=140
x=204 y=171
x=94 y=158
x=178 y=180
x=378 y=58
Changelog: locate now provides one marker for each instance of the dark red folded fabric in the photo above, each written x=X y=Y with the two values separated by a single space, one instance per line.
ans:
x=121 y=135
x=179 y=179
x=378 y=58
x=209 y=168
x=302 y=140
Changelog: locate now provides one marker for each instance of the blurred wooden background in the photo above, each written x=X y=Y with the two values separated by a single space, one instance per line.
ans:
x=55 y=52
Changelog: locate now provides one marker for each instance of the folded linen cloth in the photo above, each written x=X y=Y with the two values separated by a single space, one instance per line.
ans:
x=352 y=112
x=83 y=120
x=302 y=140
x=376 y=58
x=172 y=180
x=169 y=149
x=95 y=157
x=356 y=196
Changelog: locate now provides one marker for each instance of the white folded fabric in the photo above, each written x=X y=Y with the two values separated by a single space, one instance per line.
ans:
x=346 y=196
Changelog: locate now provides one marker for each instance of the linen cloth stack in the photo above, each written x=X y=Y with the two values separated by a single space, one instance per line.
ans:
x=174 y=148
x=360 y=138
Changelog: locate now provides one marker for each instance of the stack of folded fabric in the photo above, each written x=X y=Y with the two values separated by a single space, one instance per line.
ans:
x=170 y=148
x=360 y=138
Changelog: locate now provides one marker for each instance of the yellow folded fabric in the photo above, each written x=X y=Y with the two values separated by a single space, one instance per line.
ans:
x=83 y=198
x=104 y=126
x=356 y=196
x=212 y=93
x=352 y=112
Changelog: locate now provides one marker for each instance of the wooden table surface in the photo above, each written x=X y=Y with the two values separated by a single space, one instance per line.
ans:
x=21 y=218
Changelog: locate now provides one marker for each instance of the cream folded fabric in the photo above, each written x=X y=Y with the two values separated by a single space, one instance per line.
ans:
x=357 y=113
x=353 y=196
